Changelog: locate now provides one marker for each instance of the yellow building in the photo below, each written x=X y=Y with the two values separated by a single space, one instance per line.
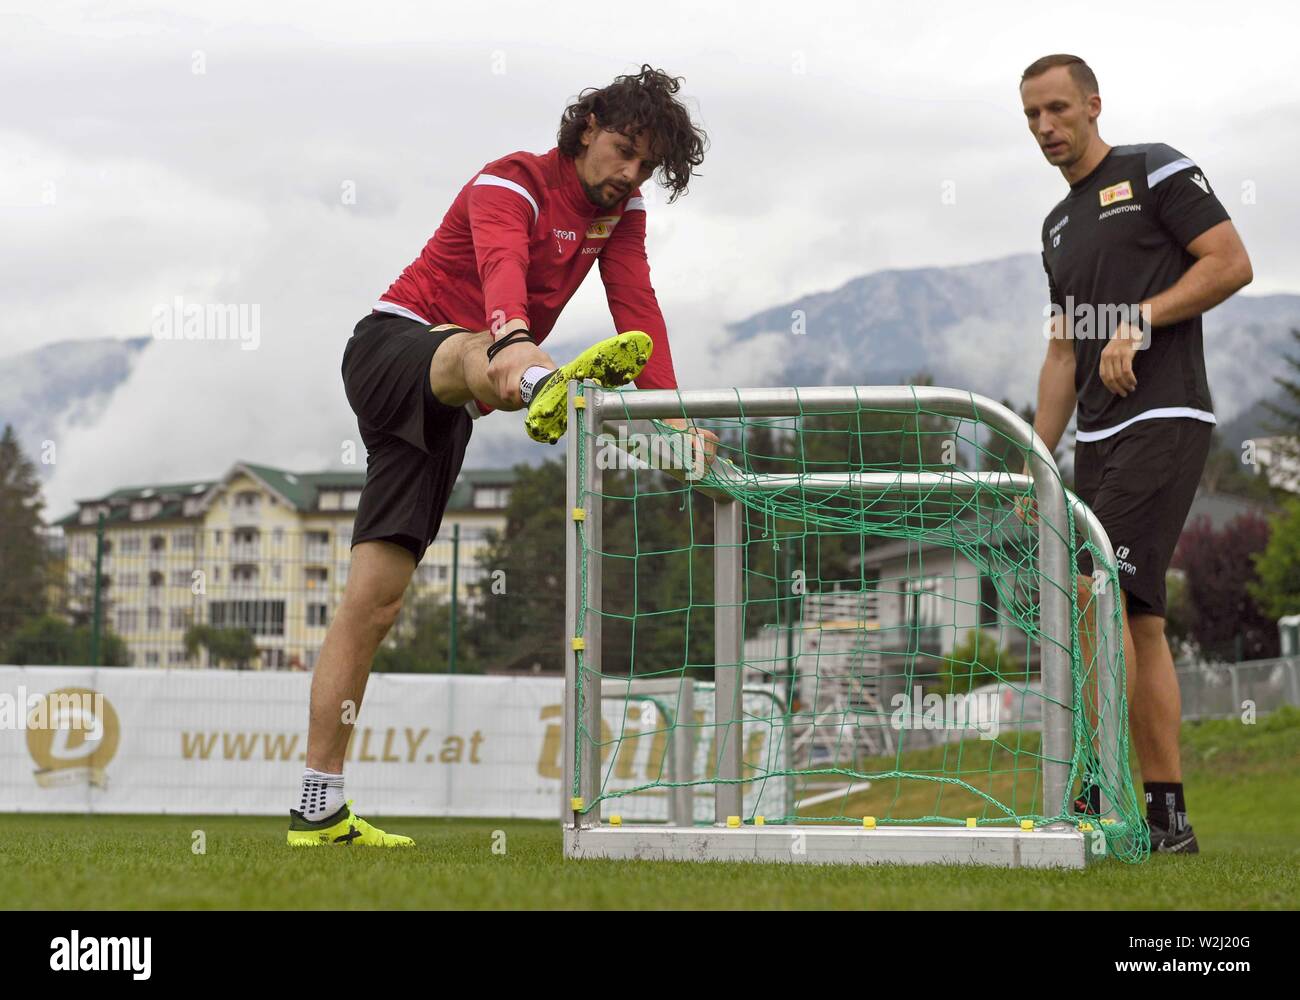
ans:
x=260 y=549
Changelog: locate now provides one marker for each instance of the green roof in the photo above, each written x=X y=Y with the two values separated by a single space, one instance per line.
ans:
x=302 y=489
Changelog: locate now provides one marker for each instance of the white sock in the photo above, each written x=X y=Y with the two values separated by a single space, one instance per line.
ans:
x=322 y=794
x=529 y=382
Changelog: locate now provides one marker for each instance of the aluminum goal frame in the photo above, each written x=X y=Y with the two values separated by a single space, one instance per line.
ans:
x=1059 y=844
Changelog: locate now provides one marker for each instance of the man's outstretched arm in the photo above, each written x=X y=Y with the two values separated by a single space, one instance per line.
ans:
x=625 y=271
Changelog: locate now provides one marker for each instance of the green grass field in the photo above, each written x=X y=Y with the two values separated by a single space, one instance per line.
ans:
x=1242 y=782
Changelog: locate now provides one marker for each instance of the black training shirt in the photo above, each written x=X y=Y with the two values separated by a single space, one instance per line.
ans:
x=1118 y=238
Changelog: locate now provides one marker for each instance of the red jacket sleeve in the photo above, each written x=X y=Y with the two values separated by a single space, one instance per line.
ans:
x=501 y=221
x=626 y=273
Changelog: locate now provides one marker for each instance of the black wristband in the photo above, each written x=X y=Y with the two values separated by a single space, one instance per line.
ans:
x=513 y=337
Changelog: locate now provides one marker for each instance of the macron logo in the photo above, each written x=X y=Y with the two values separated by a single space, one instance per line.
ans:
x=102 y=954
x=1199 y=181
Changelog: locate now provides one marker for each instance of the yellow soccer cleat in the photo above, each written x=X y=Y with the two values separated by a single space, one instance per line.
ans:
x=613 y=362
x=344 y=829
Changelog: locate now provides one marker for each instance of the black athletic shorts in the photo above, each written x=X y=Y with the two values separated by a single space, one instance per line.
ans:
x=414 y=442
x=1140 y=483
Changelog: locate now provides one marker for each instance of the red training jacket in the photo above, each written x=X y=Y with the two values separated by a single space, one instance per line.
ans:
x=517 y=242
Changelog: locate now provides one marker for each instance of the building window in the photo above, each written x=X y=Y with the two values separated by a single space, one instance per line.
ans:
x=153 y=620
x=316 y=614
x=175 y=656
x=988 y=601
x=317 y=576
x=277 y=536
x=178 y=617
x=128 y=620
x=142 y=510
x=151 y=659
x=491 y=497
x=259 y=617
x=157 y=543
x=156 y=578
x=330 y=500
x=183 y=540
x=180 y=578
x=130 y=543
x=926 y=602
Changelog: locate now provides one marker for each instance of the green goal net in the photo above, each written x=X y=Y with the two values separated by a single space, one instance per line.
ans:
x=866 y=579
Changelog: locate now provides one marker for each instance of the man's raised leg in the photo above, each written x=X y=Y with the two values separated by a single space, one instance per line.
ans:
x=461 y=370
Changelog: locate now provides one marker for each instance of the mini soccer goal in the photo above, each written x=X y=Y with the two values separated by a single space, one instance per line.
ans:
x=875 y=628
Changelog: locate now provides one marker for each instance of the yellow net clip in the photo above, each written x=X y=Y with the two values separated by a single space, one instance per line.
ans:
x=616 y=820
x=970 y=823
x=579 y=514
x=579 y=402
x=578 y=643
x=760 y=821
x=576 y=803
x=733 y=821
x=868 y=822
x=1027 y=825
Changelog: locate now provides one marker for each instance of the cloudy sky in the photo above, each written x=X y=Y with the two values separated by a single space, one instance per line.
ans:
x=204 y=150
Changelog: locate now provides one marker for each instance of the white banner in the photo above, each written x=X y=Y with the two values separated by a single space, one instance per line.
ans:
x=123 y=740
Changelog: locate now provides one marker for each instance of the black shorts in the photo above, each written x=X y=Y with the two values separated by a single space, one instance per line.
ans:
x=1140 y=483
x=414 y=442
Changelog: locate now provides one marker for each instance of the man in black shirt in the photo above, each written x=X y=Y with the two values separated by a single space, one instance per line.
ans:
x=1134 y=254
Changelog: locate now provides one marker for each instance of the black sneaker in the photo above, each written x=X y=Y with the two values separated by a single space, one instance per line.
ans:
x=1168 y=842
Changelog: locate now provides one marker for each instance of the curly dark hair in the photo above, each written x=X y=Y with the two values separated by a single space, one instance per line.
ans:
x=639 y=103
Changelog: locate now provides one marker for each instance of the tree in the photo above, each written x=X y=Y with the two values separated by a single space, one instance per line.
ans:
x=422 y=645
x=976 y=660
x=1277 y=589
x=517 y=617
x=1287 y=420
x=1226 y=473
x=22 y=547
x=51 y=641
x=234 y=646
x=1227 y=622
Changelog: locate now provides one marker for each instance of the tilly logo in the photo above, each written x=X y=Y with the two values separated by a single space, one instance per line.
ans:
x=72 y=734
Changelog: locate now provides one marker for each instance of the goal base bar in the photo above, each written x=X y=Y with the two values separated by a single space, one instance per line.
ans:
x=1043 y=848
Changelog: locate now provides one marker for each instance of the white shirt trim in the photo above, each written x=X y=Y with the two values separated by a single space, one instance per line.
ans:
x=1156 y=176
x=1160 y=412
x=396 y=310
x=491 y=181
x=634 y=205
